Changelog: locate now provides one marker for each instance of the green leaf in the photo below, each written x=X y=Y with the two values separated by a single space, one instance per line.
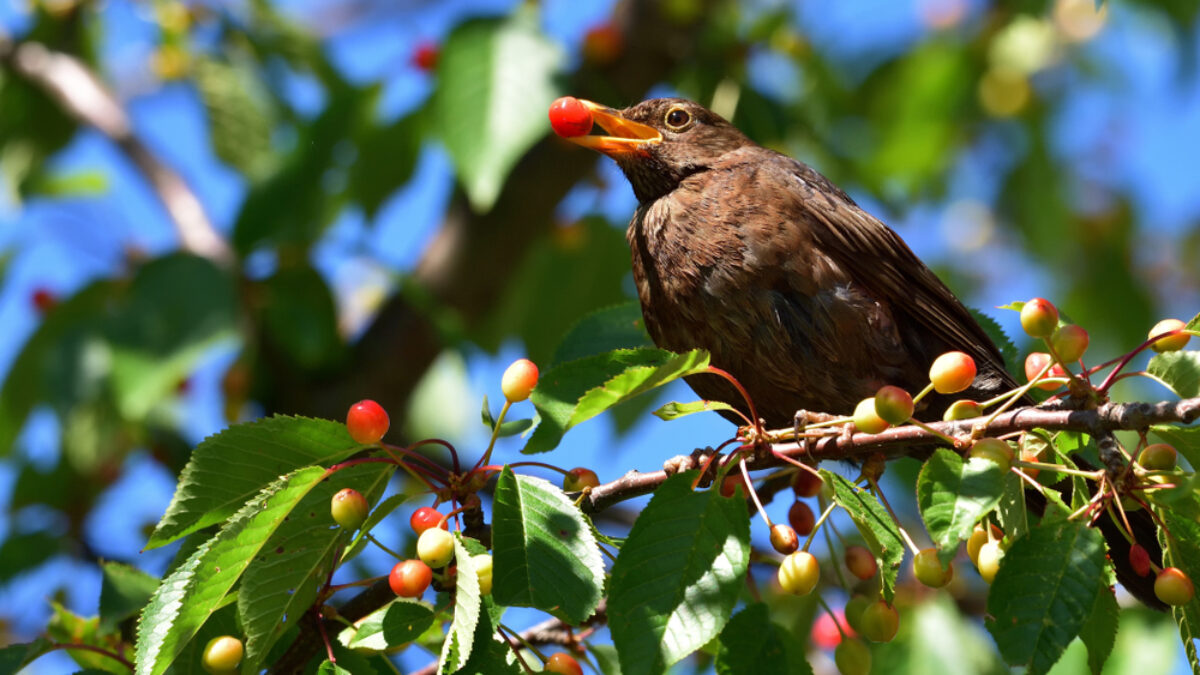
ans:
x=16 y=656
x=752 y=645
x=579 y=390
x=300 y=317
x=674 y=410
x=677 y=579
x=545 y=554
x=1099 y=632
x=396 y=624
x=875 y=524
x=1179 y=371
x=66 y=626
x=385 y=161
x=1011 y=510
x=22 y=552
x=236 y=104
x=494 y=86
x=328 y=667
x=508 y=428
x=617 y=327
x=953 y=495
x=284 y=578
x=460 y=640
x=1008 y=351
x=606 y=658
x=490 y=655
x=1182 y=550
x=197 y=588
x=1185 y=439
x=230 y=467
x=1044 y=592
x=124 y=590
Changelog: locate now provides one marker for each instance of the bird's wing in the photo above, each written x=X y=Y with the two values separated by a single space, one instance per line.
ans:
x=878 y=259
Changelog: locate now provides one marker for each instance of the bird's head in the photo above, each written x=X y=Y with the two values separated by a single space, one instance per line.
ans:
x=659 y=142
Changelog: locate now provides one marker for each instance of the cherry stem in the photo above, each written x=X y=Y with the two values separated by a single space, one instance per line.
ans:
x=924 y=392
x=903 y=533
x=837 y=569
x=817 y=525
x=1112 y=376
x=330 y=590
x=324 y=637
x=753 y=493
x=371 y=538
x=514 y=635
x=91 y=648
x=1090 y=475
x=487 y=454
x=833 y=616
x=445 y=444
x=754 y=422
x=540 y=464
x=410 y=468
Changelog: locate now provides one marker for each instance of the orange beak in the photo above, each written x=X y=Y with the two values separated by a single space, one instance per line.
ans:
x=624 y=137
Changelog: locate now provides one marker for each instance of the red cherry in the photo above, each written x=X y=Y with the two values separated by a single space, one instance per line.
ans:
x=784 y=539
x=43 y=299
x=861 y=562
x=563 y=664
x=569 y=117
x=1034 y=363
x=893 y=404
x=410 y=578
x=578 y=478
x=1039 y=318
x=952 y=372
x=730 y=484
x=806 y=483
x=367 y=422
x=519 y=380
x=825 y=633
x=801 y=518
x=1070 y=342
x=426 y=517
x=1139 y=560
x=425 y=56
x=1173 y=587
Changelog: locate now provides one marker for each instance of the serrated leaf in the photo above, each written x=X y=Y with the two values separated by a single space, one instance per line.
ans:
x=1044 y=592
x=677 y=579
x=576 y=391
x=1182 y=550
x=230 y=467
x=617 y=327
x=398 y=623
x=197 y=588
x=545 y=554
x=1099 y=632
x=124 y=590
x=460 y=640
x=1008 y=351
x=494 y=85
x=282 y=581
x=953 y=495
x=606 y=658
x=66 y=626
x=751 y=645
x=1179 y=371
x=875 y=524
x=1185 y=439
x=1011 y=510
x=674 y=409
x=328 y=667
x=490 y=655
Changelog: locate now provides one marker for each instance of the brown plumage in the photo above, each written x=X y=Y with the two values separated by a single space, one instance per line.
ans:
x=809 y=301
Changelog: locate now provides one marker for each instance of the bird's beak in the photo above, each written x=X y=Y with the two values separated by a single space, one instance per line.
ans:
x=624 y=137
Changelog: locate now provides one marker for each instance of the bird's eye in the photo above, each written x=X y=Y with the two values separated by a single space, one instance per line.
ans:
x=678 y=118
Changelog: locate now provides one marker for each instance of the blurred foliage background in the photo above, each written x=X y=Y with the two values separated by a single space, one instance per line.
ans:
x=218 y=210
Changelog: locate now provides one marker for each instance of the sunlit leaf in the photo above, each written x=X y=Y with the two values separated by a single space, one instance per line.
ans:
x=953 y=494
x=876 y=526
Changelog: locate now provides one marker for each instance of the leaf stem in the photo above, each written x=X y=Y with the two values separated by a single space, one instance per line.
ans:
x=487 y=454
x=816 y=526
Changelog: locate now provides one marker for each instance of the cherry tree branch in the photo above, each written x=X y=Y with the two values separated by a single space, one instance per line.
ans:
x=81 y=95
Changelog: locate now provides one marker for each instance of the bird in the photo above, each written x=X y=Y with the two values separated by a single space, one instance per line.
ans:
x=810 y=302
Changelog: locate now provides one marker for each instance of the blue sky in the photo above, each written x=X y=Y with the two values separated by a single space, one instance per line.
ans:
x=1135 y=126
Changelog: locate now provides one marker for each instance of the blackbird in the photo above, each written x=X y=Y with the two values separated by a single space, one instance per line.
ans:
x=809 y=301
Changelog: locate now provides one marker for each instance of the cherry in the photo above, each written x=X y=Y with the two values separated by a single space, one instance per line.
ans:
x=952 y=372
x=929 y=571
x=519 y=380
x=1139 y=560
x=994 y=450
x=799 y=573
x=731 y=482
x=988 y=560
x=866 y=419
x=563 y=664
x=435 y=547
x=367 y=422
x=807 y=483
x=1070 y=342
x=426 y=517
x=1168 y=344
x=43 y=299
x=962 y=409
x=1034 y=363
x=784 y=539
x=893 y=404
x=978 y=538
x=854 y=610
x=570 y=118
x=1030 y=455
x=1173 y=587
x=222 y=654
x=880 y=621
x=410 y=578
x=425 y=56
x=852 y=657
x=483 y=567
x=861 y=562
x=825 y=633
x=1039 y=318
x=801 y=518
x=602 y=44
x=578 y=478
x=349 y=508
x=1157 y=457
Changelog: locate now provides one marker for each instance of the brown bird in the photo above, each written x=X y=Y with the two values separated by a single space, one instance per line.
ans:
x=809 y=301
